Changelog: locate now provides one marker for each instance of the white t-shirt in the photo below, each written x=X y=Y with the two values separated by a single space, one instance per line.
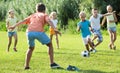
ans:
x=12 y=21
x=55 y=21
x=95 y=22
x=110 y=17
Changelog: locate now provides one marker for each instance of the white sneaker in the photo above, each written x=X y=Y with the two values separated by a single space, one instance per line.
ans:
x=93 y=50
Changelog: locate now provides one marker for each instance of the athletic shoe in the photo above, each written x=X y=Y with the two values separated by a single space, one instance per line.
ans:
x=26 y=68
x=93 y=50
x=54 y=65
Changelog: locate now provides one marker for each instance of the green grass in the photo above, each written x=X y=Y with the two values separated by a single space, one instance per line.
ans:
x=104 y=61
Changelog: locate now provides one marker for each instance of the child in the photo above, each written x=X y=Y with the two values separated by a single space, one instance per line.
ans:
x=35 y=30
x=10 y=21
x=53 y=17
x=84 y=26
x=111 y=26
x=95 y=24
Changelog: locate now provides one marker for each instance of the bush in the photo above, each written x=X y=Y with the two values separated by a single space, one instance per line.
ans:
x=72 y=26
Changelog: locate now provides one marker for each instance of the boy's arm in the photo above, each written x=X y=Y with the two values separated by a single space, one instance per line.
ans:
x=17 y=24
x=51 y=24
x=78 y=28
x=107 y=14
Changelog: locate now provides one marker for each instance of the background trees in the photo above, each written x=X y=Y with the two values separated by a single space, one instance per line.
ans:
x=66 y=9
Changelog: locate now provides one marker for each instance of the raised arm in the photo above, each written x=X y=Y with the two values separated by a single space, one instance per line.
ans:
x=51 y=24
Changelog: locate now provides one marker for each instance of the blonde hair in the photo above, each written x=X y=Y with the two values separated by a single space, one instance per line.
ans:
x=52 y=13
x=109 y=6
x=82 y=13
x=11 y=10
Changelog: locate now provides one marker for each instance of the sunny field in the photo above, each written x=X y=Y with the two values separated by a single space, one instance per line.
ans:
x=104 y=61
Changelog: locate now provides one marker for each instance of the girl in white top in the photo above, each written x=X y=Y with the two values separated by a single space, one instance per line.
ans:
x=111 y=26
x=53 y=17
x=10 y=21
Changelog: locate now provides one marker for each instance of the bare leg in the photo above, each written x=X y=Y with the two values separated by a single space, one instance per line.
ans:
x=97 y=43
x=94 y=38
x=57 y=41
x=90 y=43
x=111 y=39
x=28 y=56
x=15 y=43
x=51 y=36
x=9 y=44
x=50 y=51
x=114 y=39
x=87 y=47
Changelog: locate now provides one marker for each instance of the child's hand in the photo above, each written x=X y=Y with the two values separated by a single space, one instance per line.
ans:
x=57 y=32
x=11 y=27
x=111 y=21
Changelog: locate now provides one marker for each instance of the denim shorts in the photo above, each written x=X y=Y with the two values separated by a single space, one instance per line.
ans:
x=99 y=34
x=113 y=29
x=10 y=34
x=40 y=36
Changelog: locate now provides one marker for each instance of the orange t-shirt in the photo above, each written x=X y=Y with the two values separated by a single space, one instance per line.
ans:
x=36 y=22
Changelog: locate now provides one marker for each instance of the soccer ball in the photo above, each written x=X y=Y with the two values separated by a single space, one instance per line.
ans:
x=85 y=53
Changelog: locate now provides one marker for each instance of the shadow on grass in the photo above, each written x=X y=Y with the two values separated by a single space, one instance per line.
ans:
x=93 y=71
x=83 y=71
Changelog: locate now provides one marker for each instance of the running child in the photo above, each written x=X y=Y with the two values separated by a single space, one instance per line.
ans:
x=35 y=30
x=53 y=18
x=10 y=21
x=84 y=26
x=111 y=26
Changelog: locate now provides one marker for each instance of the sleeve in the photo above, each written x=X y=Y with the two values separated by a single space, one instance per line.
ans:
x=7 y=20
x=90 y=19
x=100 y=15
x=27 y=20
x=78 y=25
x=89 y=23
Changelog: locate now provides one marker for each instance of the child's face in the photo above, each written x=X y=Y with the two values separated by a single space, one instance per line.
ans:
x=109 y=9
x=11 y=13
x=82 y=17
x=94 y=12
x=54 y=16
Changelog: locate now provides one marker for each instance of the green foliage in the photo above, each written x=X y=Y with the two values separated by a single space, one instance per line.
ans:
x=69 y=9
x=72 y=26
x=3 y=26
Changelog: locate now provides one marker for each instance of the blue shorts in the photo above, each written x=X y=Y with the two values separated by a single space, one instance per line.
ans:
x=113 y=29
x=40 y=36
x=10 y=34
x=99 y=34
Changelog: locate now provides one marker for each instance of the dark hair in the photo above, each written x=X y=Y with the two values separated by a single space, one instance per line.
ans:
x=94 y=9
x=40 y=7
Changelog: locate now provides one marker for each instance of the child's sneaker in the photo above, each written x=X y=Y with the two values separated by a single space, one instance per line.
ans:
x=93 y=50
x=54 y=65
x=27 y=68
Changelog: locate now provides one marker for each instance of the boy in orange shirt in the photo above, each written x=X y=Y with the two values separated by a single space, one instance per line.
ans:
x=35 y=30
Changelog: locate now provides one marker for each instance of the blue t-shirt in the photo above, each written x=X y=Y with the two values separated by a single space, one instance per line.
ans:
x=84 y=27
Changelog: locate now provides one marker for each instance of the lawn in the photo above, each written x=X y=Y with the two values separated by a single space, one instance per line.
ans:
x=104 y=61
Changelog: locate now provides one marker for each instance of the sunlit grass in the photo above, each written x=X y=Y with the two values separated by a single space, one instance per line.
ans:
x=104 y=61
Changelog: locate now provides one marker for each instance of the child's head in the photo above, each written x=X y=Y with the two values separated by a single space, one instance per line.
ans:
x=82 y=15
x=109 y=8
x=94 y=12
x=53 y=15
x=40 y=7
x=11 y=13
